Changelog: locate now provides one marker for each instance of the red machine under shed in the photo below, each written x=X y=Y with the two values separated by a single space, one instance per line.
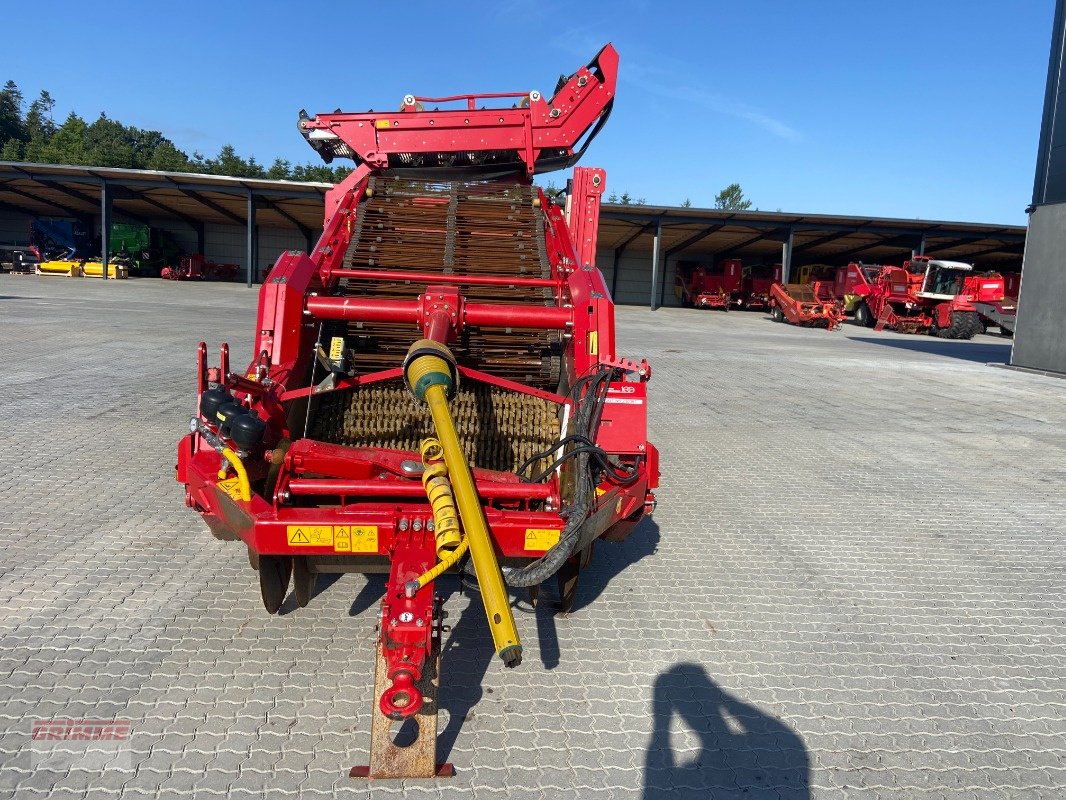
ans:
x=438 y=377
x=717 y=285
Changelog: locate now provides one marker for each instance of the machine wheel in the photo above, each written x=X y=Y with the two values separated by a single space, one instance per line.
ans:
x=863 y=315
x=961 y=326
x=303 y=580
x=776 y=314
x=274 y=574
x=568 y=577
x=253 y=558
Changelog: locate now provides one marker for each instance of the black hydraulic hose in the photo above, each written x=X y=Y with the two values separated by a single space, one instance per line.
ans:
x=588 y=415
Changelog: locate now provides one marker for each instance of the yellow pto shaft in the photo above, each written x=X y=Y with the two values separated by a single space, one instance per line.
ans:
x=429 y=370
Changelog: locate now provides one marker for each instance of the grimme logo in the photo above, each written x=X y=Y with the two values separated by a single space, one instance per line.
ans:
x=88 y=744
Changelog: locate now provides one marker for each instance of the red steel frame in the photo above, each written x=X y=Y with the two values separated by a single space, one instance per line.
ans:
x=367 y=505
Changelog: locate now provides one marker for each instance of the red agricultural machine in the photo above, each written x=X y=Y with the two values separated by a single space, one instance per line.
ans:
x=435 y=387
x=755 y=285
x=698 y=285
x=928 y=295
x=848 y=278
x=809 y=305
x=198 y=268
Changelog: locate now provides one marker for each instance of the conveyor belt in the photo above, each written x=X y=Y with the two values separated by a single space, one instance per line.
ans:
x=460 y=228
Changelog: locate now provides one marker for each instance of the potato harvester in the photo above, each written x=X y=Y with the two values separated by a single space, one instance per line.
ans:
x=436 y=386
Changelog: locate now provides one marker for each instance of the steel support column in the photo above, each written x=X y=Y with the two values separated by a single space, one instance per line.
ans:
x=105 y=228
x=921 y=246
x=786 y=256
x=252 y=242
x=614 y=274
x=655 y=263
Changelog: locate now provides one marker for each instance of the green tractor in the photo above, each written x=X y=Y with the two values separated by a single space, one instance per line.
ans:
x=144 y=251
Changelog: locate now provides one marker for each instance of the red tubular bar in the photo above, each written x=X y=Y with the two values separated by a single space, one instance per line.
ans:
x=489 y=315
x=379 y=488
x=509 y=316
x=436 y=277
x=354 y=308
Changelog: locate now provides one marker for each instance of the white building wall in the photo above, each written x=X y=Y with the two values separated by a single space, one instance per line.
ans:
x=634 y=278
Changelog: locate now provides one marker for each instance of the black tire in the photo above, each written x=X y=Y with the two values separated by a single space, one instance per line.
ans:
x=274 y=574
x=776 y=314
x=567 y=577
x=863 y=315
x=961 y=327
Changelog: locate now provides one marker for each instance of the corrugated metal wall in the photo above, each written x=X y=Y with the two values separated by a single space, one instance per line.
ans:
x=634 y=278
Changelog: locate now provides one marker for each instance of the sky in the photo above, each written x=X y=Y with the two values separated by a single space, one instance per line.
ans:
x=904 y=109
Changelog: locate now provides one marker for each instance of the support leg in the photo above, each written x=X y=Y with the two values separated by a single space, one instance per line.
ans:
x=418 y=758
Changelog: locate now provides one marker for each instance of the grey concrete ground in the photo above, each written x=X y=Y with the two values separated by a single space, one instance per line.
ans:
x=853 y=586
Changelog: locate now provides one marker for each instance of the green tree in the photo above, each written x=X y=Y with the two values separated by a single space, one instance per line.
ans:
x=686 y=203
x=280 y=170
x=731 y=198
x=11 y=125
x=108 y=144
x=68 y=144
x=40 y=128
x=12 y=150
x=168 y=158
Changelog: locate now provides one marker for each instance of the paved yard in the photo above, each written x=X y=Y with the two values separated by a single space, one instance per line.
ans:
x=853 y=585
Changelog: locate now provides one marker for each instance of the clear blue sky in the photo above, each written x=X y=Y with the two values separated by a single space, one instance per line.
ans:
x=907 y=109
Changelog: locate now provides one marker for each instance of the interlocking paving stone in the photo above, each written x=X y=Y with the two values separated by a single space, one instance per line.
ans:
x=852 y=587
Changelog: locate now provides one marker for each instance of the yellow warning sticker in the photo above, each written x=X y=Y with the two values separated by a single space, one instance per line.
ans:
x=364 y=538
x=336 y=348
x=342 y=538
x=231 y=486
x=309 y=535
x=541 y=538
x=594 y=342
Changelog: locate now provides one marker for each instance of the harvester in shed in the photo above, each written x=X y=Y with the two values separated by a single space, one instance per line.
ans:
x=436 y=386
x=715 y=285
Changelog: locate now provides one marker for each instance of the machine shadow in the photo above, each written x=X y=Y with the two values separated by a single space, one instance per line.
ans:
x=613 y=558
x=322 y=582
x=979 y=352
x=466 y=653
x=742 y=750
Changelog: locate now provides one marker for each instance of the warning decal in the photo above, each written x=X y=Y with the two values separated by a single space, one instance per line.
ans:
x=342 y=538
x=364 y=538
x=231 y=486
x=309 y=535
x=541 y=538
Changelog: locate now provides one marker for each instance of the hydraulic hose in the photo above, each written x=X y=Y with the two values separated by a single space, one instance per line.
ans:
x=429 y=370
x=450 y=544
x=242 y=474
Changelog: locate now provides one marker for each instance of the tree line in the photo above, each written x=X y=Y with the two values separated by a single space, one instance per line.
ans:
x=33 y=136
